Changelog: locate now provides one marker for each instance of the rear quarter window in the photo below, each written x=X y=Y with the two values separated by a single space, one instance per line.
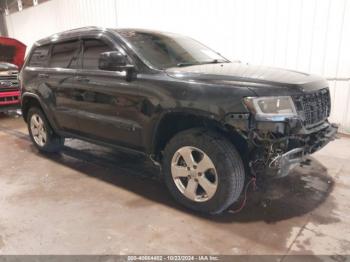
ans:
x=40 y=56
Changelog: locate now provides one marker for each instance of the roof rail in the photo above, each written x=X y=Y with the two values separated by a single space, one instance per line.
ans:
x=67 y=33
x=85 y=28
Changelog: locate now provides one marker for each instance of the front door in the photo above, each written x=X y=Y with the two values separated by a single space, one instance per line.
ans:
x=110 y=105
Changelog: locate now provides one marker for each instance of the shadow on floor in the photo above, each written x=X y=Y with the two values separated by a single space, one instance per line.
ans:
x=274 y=200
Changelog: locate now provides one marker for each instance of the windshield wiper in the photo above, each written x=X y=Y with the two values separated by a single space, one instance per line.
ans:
x=187 y=64
x=214 y=61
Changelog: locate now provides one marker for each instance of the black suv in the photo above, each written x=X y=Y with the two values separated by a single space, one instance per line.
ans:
x=208 y=122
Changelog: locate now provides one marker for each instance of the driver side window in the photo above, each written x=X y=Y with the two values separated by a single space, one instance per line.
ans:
x=92 y=50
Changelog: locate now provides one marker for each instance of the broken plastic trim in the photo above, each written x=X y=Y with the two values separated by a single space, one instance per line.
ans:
x=288 y=161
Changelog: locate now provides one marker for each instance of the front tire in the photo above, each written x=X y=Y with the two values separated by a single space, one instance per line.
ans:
x=203 y=170
x=41 y=133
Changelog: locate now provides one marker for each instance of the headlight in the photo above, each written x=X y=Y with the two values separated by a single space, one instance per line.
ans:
x=272 y=107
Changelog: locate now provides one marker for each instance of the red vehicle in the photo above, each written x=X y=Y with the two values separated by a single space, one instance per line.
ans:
x=12 y=54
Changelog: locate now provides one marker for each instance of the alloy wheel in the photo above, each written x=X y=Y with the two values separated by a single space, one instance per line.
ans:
x=194 y=174
x=38 y=130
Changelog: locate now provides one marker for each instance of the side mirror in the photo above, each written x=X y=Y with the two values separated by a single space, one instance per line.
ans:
x=113 y=61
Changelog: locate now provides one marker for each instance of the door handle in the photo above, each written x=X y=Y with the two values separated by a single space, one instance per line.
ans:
x=43 y=75
x=82 y=79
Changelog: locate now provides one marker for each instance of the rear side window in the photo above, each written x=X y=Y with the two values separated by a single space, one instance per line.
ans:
x=40 y=56
x=64 y=55
x=92 y=50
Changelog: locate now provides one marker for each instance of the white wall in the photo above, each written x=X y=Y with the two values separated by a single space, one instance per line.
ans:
x=306 y=35
x=59 y=15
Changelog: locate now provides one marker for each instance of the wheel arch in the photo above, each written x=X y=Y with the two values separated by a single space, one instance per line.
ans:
x=172 y=123
x=29 y=100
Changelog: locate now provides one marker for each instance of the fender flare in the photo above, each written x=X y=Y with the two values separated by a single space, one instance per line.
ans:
x=194 y=113
x=43 y=107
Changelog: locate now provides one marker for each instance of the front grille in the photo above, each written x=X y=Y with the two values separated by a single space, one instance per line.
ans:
x=9 y=81
x=313 y=107
x=9 y=98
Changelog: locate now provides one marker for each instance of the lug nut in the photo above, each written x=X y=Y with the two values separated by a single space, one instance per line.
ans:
x=188 y=168
x=194 y=167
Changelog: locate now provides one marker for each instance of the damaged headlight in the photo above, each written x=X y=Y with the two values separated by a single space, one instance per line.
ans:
x=273 y=108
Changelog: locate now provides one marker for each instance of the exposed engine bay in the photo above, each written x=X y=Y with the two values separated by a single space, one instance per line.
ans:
x=275 y=154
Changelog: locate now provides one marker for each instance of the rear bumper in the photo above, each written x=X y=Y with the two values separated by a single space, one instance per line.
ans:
x=10 y=100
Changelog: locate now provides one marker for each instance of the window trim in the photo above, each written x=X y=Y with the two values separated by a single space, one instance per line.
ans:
x=78 y=40
x=111 y=39
x=107 y=41
x=83 y=40
x=33 y=51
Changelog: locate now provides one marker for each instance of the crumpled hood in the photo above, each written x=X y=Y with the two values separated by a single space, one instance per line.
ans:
x=259 y=79
x=11 y=51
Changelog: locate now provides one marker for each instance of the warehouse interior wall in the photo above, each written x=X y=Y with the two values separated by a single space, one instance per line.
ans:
x=305 y=35
x=3 y=27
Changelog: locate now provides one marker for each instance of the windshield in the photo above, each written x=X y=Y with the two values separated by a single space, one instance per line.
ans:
x=170 y=50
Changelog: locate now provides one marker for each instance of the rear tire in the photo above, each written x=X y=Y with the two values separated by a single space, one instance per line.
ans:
x=41 y=132
x=203 y=170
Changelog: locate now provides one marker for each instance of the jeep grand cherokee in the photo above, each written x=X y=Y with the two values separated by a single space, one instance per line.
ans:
x=210 y=123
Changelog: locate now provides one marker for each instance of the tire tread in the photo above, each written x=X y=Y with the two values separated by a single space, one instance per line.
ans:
x=219 y=144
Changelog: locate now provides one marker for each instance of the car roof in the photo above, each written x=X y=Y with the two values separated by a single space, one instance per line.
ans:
x=58 y=37
x=73 y=33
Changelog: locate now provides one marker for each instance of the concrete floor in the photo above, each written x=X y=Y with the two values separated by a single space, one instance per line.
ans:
x=93 y=200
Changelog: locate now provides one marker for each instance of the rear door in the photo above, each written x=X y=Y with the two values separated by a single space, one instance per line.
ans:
x=35 y=78
x=61 y=77
x=110 y=104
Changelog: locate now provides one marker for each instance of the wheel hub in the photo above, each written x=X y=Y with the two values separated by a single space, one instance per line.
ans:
x=194 y=174
x=38 y=130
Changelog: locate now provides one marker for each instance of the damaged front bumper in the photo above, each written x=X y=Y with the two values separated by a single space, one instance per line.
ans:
x=281 y=130
x=288 y=161
x=294 y=157
x=274 y=156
